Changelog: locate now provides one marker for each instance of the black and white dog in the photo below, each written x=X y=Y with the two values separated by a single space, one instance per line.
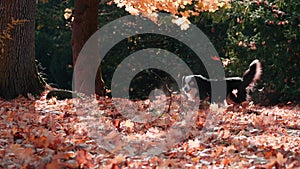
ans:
x=237 y=87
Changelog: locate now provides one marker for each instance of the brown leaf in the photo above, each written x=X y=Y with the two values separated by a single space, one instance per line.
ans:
x=54 y=164
x=84 y=158
x=216 y=58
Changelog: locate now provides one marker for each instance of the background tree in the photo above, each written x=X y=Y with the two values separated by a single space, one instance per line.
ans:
x=18 y=73
x=85 y=24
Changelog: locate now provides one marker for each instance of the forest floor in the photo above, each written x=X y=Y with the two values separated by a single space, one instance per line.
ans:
x=112 y=134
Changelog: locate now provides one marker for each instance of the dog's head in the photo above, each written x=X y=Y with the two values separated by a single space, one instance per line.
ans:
x=196 y=86
x=189 y=87
x=187 y=83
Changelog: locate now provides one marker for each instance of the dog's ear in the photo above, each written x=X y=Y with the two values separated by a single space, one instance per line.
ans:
x=252 y=74
x=182 y=80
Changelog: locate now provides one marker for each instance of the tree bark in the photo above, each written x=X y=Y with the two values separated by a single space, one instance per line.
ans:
x=18 y=73
x=85 y=24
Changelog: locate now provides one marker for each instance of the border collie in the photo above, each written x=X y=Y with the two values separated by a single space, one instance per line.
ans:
x=237 y=87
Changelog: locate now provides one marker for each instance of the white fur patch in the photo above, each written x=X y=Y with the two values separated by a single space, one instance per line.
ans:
x=258 y=73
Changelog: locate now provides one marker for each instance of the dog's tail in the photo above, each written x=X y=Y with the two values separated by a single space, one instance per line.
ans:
x=252 y=74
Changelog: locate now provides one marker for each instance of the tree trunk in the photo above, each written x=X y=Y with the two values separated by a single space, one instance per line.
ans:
x=18 y=73
x=83 y=27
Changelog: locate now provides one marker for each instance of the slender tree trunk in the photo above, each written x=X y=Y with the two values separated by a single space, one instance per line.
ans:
x=18 y=74
x=85 y=25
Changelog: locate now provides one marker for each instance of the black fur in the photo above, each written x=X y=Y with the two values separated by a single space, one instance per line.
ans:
x=237 y=87
x=61 y=94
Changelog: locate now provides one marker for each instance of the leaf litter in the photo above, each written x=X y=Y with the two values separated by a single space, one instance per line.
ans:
x=93 y=133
